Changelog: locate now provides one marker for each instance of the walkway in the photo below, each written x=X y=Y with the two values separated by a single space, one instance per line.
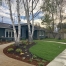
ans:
x=60 y=60
x=6 y=61
x=57 y=42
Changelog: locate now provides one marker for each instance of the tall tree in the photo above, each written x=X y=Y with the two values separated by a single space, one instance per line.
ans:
x=10 y=3
x=50 y=7
x=29 y=6
x=60 y=5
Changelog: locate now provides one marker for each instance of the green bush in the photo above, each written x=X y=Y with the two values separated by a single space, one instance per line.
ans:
x=23 y=42
x=10 y=50
x=18 y=50
x=30 y=60
x=24 y=46
x=38 y=60
x=43 y=61
x=40 y=64
x=34 y=56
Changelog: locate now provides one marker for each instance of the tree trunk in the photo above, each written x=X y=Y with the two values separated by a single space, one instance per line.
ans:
x=16 y=38
x=28 y=21
x=19 y=27
x=61 y=22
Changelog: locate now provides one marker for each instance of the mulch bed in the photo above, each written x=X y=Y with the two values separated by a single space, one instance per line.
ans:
x=4 y=42
x=26 y=56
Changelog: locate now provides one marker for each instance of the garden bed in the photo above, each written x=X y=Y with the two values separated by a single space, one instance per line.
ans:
x=25 y=55
x=3 y=42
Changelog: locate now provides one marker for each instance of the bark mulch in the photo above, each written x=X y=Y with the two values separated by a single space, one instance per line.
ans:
x=4 y=42
x=26 y=57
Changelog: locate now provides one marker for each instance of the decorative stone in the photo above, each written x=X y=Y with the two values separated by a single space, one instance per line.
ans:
x=27 y=55
x=21 y=53
x=23 y=58
x=25 y=52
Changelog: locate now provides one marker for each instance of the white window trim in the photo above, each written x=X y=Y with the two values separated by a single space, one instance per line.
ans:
x=40 y=33
x=7 y=30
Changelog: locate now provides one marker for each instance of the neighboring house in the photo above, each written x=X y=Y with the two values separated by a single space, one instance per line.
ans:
x=6 y=32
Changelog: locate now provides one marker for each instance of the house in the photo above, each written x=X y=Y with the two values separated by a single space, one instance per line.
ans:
x=6 y=32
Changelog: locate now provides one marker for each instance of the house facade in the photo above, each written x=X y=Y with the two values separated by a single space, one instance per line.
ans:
x=6 y=32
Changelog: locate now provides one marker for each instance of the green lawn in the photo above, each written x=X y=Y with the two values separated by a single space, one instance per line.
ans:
x=62 y=40
x=47 y=50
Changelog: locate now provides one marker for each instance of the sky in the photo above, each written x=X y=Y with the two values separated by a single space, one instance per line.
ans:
x=4 y=12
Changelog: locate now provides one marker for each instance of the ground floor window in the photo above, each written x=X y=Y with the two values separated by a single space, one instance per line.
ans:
x=9 y=33
x=6 y=33
x=41 y=33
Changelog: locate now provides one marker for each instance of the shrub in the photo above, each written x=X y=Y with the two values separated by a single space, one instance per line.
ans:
x=37 y=60
x=43 y=61
x=10 y=50
x=24 y=46
x=34 y=56
x=30 y=60
x=40 y=64
x=12 y=45
x=23 y=42
x=18 y=50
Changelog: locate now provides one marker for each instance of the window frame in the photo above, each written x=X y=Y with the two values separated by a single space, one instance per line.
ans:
x=41 y=33
x=9 y=31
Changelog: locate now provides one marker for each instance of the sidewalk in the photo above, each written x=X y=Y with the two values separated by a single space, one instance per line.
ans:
x=60 y=60
x=6 y=61
x=57 y=42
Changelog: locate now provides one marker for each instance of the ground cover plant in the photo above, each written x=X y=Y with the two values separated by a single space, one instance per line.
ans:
x=47 y=50
x=22 y=53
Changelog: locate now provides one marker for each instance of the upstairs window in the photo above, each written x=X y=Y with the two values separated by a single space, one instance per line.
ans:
x=0 y=2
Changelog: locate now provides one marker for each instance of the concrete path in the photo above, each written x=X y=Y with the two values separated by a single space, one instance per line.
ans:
x=6 y=61
x=57 y=42
x=60 y=60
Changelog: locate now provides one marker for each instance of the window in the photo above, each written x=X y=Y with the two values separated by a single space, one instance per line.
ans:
x=0 y=2
x=12 y=34
x=6 y=33
x=9 y=33
x=41 y=33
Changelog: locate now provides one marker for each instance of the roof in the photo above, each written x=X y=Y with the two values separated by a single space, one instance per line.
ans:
x=22 y=24
x=38 y=28
x=5 y=25
x=35 y=27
